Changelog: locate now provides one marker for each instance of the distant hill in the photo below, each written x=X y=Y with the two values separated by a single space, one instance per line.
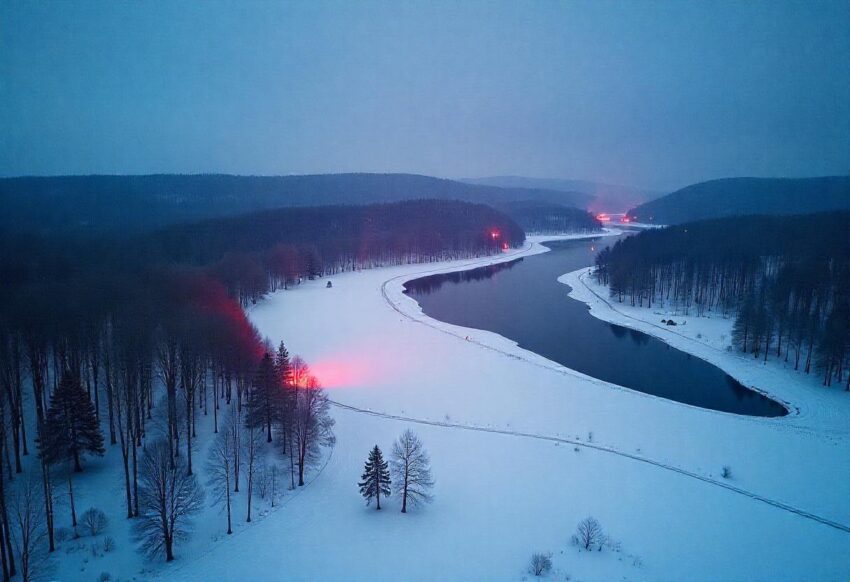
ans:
x=600 y=197
x=138 y=203
x=743 y=196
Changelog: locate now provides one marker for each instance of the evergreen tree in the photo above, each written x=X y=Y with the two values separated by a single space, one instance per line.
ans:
x=264 y=400
x=376 y=478
x=283 y=365
x=71 y=428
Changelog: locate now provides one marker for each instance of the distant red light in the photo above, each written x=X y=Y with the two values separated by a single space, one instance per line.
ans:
x=504 y=246
x=494 y=234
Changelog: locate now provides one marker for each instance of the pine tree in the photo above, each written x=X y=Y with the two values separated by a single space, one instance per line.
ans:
x=264 y=400
x=283 y=365
x=376 y=478
x=286 y=402
x=71 y=428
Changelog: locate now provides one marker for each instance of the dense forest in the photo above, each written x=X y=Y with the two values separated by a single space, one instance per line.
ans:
x=785 y=279
x=132 y=204
x=110 y=341
x=548 y=218
x=745 y=196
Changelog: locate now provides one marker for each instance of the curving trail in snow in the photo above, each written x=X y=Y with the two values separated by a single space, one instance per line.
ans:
x=522 y=449
x=604 y=449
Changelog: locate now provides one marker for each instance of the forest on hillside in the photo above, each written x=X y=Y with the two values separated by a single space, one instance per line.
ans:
x=105 y=341
x=548 y=218
x=134 y=204
x=747 y=196
x=785 y=279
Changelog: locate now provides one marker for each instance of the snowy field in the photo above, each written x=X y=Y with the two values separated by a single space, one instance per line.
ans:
x=522 y=449
x=501 y=426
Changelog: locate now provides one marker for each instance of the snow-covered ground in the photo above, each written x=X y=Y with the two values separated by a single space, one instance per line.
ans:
x=522 y=449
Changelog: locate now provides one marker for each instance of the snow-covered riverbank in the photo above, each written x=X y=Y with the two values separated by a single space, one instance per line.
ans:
x=523 y=449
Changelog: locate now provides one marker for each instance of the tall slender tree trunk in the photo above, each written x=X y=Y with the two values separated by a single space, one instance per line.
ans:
x=71 y=502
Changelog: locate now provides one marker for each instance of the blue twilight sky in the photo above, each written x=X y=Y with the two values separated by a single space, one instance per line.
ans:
x=651 y=94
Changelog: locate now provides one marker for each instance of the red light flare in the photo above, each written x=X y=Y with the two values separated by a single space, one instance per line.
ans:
x=504 y=246
x=347 y=371
x=495 y=234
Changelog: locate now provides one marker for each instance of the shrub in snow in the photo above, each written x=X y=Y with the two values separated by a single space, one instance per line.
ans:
x=94 y=521
x=108 y=544
x=540 y=564
x=62 y=534
x=104 y=577
x=726 y=473
x=589 y=534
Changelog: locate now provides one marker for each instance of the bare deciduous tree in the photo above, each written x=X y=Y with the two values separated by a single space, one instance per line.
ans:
x=220 y=468
x=251 y=444
x=29 y=528
x=540 y=564
x=168 y=496
x=411 y=468
x=94 y=521
x=313 y=425
x=589 y=534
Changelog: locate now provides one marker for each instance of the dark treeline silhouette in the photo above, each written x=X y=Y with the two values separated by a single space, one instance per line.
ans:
x=433 y=283
x=548 y=218
x=786 y=280
x=133 y=204
x=255 y=253
x=150 y=331
x=746 y=196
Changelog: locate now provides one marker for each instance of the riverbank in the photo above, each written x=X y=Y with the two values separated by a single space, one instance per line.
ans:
x=813 y=407
x=522 y=449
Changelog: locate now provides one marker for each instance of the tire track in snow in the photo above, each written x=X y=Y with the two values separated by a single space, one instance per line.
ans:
x=610 y=450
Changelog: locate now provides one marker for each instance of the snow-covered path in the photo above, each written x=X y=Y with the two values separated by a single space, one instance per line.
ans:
x=725 y=484
x=499 y=497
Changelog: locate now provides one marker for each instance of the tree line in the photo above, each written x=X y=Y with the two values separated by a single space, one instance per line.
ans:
x=126 y=342
x=550 y=218
x=785 y=279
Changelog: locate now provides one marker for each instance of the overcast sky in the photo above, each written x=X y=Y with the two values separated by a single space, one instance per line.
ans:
x=651 y=94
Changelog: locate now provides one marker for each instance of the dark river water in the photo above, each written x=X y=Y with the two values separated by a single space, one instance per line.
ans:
x=522 y=300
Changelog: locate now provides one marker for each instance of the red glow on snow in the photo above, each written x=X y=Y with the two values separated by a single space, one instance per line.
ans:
x=504 y=246
x=344 y=372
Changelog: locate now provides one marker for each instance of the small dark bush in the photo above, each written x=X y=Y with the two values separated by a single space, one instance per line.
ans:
x=94 y=521
x=108 y=544
x=589 y=534
x=540 y=564
x=62 y=534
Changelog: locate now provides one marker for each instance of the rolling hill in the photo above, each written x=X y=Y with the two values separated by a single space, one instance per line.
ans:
x=138 y=203
x=600 y=197
x=743 y=196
